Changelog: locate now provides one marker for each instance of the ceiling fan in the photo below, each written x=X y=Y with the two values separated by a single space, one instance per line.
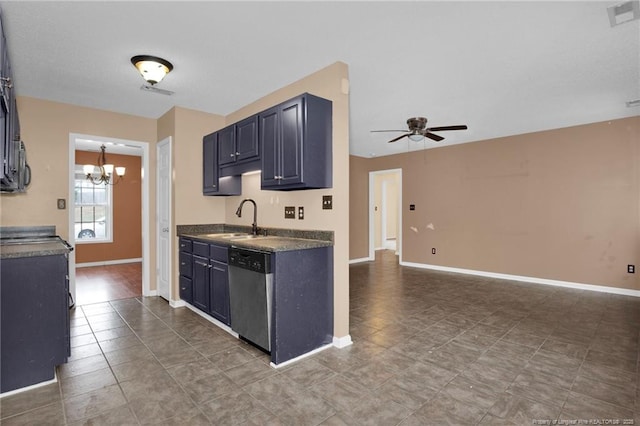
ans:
x=418 y=129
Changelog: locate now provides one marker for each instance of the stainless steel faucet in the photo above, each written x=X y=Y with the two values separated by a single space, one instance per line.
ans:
x=254 y=225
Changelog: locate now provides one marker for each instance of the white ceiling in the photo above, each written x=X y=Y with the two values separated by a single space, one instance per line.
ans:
x=502 y=68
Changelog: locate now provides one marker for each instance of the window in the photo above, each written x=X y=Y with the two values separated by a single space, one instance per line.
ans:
x=93 y=210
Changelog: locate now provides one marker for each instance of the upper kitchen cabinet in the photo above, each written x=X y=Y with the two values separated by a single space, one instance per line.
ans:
x=238 y=143
x=212 y=184
x=296 y=141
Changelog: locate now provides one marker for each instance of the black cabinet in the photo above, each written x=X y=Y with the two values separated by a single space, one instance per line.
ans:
x=201 y=283
x=34 y=324
x=204 y=283
x=296 y=140
x=219 y=291
x=186 y=270
x=239 y=142
x=212 y=184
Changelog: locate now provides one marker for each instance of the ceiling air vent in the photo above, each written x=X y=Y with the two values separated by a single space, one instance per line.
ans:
x=634 y=103
x=154 y=89
x=624 y=12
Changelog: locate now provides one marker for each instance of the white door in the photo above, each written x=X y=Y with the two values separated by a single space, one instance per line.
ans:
x=164 y=218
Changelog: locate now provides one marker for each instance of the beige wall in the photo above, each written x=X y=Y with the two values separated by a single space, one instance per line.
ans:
x=561 y=204
x=45 y=128
x=330 y=83
x=189 y=206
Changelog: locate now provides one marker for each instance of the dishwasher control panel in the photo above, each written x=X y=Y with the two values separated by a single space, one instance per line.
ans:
x=252 y=260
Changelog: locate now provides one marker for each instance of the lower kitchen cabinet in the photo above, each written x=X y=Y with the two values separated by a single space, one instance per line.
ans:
x=201 y=283
x=219 y=291
x=204 y=283
x=34 y=307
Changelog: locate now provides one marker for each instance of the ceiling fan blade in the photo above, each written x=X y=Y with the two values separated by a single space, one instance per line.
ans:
x=399 y=137
x=440 y=129
x=378 y=131
x=433 y=136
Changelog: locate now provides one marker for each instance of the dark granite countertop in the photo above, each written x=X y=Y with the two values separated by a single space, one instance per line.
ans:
x=9 y=251
x=275 y=240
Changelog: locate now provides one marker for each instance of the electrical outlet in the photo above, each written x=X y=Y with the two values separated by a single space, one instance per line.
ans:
x=433 y=250
x=62 y=204
x=300 y=213
x=327 y=202
x=290 y=212
x=631 y=269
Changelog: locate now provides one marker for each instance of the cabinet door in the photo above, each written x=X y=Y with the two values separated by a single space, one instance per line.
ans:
x=247 y=139
x=291 y=141
x=210 y=164
x=227 y=145
x=200 y=282
x=220 y=292
x=186 y=289
x=268 y=137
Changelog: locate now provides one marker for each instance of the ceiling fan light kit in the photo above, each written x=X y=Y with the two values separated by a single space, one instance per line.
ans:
x=418 y=130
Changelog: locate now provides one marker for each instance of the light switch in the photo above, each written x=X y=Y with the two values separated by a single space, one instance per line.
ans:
x=62 y=204
x=327 y=202
x=300 y=213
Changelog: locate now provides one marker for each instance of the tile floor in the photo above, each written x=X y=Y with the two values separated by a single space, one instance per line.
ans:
x=430 y=348
x=96 y=284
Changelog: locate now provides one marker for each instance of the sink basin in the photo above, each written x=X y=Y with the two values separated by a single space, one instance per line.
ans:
x=227 y=235
x=247 y=237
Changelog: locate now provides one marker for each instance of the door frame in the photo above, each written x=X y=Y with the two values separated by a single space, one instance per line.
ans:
x=165 y=141
x=146 y=291
x=372 y=206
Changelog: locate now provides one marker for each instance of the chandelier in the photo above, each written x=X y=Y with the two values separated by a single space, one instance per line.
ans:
x=105 y=170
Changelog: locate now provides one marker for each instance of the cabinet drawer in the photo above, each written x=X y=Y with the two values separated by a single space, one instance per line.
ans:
x=186 y=289
x=185 y=264
x=218 y=253
x=201 y=249
x=185 y=245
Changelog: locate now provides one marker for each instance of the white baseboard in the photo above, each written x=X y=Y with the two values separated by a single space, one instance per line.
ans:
x=298 y=358
x=108 y=262
x=210 y=319
x=361 y=260
x=177 y=303
x=342 y=342
x=534 y=280
x=151 y=293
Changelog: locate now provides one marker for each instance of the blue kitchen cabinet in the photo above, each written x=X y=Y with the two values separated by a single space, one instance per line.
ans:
x=212 y=184
x=186 y=270
x=205 y=279
x=200 y=283
x=219 y=292
x=296 y=141
x=238 y=143
x=34 y=324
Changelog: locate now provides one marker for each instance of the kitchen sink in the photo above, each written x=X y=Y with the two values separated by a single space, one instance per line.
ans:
x=227 y=235
x=247 y=237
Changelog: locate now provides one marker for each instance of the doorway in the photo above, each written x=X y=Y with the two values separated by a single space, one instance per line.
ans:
x=385 y=211
x=124 y=148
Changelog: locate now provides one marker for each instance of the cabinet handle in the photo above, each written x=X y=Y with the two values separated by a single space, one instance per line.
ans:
x=201 y=263
x=237 y=153
x=232 y=155
x=182 y=263
x=213 y=186
x=210 y=266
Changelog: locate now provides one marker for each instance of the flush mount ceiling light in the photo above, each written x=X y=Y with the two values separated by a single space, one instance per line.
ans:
x=152 y=68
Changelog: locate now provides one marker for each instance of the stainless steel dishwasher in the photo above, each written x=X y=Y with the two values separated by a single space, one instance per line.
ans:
x=250 y=290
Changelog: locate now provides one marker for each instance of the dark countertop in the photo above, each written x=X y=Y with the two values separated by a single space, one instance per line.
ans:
x=9 y=251
x=275 y=240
